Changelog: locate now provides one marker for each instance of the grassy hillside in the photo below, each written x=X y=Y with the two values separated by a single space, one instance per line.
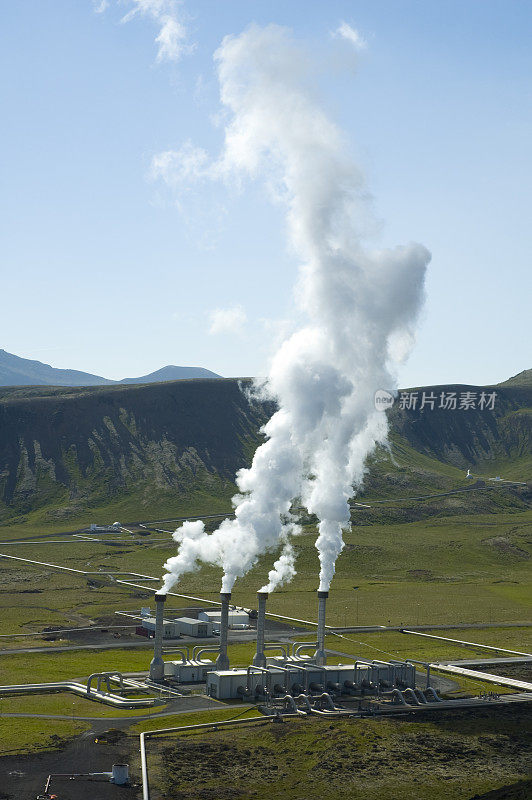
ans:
x=67 y=450
x=131 y=452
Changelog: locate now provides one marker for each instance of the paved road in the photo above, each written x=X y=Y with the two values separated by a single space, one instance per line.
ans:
x=241 y=638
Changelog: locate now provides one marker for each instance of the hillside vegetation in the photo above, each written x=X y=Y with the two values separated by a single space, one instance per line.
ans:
x=148 y=451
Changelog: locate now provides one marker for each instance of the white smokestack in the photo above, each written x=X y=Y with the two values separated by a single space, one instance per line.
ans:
x=157 y=663
x=357 y=305
x=259 y=659
x=320 y=655
x=222 y=662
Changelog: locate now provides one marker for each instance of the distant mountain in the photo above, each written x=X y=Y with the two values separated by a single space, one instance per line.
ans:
x=16 y=371
x=155 y=449
x=172 y=373
x=523 y=378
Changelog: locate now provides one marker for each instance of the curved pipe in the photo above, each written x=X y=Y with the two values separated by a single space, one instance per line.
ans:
x=285 y=648
x=291 y=704
x=262 y=670
x=327 y=699
x=409 y=693
x=302 y=668
x=198 y=652
x=397 y=695
x=433 y=694
x=80 y=689
x=420 y=696
x=287 y=676
x=182 y=651
x=306 y=702
x=304 y=646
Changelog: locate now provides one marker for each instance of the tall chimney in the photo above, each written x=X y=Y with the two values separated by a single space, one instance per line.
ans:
x=157 y=664
x=222 y=662
x=259 y=659
x=320 y=655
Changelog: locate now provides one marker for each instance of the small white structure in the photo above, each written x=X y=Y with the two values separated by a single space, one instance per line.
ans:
x=188 y=626
x=104 y=528
x=188 y=671
x=170 y=627
x=237 y=619
x=120 y=774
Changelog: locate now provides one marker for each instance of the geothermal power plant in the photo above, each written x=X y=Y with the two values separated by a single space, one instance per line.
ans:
x=289 y=674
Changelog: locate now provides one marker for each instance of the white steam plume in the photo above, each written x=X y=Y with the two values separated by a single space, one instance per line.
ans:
x=168 y=16
x=283 y=570
x=357 y=303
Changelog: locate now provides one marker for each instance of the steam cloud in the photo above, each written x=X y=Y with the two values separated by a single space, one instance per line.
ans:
x=360 y=308
x=168 y=16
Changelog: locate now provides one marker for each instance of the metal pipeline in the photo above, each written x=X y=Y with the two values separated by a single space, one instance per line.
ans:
x=289 y=701
x=77 y=688
x=420 y=696
x=305 y=700
x=259 y=659
x=425 y=664
x=199 y=651
x=303 y=646
x=409 y=693
x=327 y=699
x=397 y=695
x=284 y=648
x=157 y=664
x=104 y=676
x=287 y=676
x=213 y=725
x=181 y=651
x=263 y=671
x=222 y=662
x=433 y=694
x=302 y=668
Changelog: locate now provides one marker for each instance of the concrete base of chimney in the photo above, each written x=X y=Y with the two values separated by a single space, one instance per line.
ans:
x=222 y=662
x=259 y=660
x=157 y=669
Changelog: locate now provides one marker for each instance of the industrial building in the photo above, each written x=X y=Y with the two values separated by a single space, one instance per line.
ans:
x=292 y=675
x=170 y=627
x=188 y=626
x=236 y=618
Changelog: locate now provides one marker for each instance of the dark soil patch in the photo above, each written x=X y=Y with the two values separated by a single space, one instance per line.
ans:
x=522 y=790
x=24 y=776
x=506 y=547
x=421 y=574
x=521 y=672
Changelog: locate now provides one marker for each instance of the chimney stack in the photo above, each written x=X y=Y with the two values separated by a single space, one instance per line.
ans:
x=222 y=662
x=157 y=664
x=259 y=659
x=320 y=655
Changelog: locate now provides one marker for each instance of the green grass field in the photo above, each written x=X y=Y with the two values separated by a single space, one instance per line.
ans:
x=452 y=758
x=442 y=570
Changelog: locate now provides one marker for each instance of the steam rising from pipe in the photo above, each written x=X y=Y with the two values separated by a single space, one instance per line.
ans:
x=283 y=570
x=359 y=306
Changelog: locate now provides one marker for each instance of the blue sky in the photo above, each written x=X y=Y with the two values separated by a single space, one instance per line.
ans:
x=102 y=272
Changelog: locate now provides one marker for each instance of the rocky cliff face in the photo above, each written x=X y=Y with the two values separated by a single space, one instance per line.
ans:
x=471 y=436
x=68 y=449
x=96 y=444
